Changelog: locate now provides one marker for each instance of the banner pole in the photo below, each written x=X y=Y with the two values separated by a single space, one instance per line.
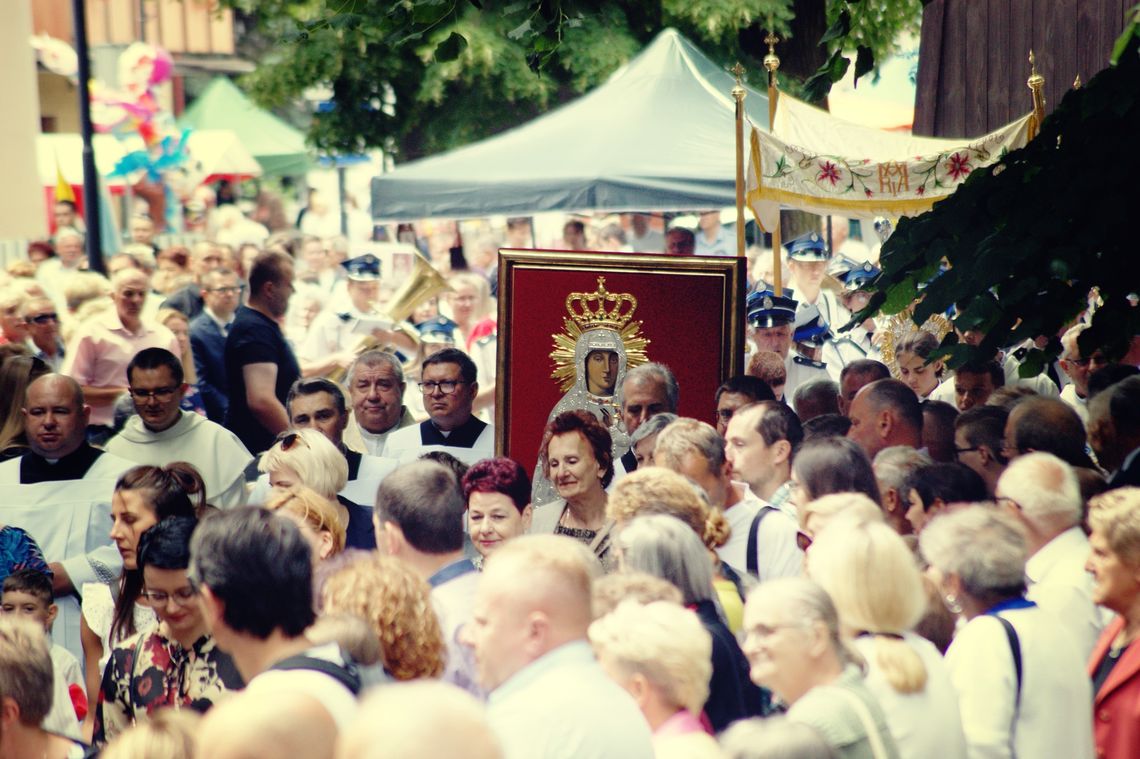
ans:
x=738 y=95
x=772 y=63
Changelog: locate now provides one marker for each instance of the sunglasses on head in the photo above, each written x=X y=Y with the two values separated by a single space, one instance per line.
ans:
x=290 y=439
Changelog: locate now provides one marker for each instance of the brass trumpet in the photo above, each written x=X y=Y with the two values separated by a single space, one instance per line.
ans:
x=424 y=282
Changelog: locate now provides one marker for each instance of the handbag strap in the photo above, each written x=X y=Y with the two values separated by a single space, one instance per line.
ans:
x=601 y=537
x=878 y=749
x=752 y=559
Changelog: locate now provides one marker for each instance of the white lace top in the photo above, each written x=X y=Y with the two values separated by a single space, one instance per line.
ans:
x=99 y=610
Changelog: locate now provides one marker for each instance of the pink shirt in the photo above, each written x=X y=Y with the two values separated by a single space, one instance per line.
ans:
x=102 y=348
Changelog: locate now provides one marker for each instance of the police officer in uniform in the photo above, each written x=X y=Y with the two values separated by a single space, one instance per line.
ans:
x=341 y=328
x=771 y=318
x=808 y=259
x=857 y=342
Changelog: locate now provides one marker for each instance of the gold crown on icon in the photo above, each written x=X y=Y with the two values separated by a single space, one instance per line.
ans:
x=601 y=308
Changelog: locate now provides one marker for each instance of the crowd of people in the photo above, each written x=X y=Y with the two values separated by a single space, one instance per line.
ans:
x=235 y=524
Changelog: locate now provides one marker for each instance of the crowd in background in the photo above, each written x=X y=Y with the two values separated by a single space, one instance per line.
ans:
x=246 y=510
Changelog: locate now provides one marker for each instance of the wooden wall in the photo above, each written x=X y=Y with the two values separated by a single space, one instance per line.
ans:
x=181 y=26
x=974 y=58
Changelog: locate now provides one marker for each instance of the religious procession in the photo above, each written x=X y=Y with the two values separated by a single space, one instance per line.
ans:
x=569 y=382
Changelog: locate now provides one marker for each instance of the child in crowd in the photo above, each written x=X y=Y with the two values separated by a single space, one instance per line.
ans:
x=28 y=593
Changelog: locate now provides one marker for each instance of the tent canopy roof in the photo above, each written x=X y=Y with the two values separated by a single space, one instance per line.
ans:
x=658 y=135
x=278 y=147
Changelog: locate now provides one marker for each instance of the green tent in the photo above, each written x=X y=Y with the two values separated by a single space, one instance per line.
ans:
x=278 y=147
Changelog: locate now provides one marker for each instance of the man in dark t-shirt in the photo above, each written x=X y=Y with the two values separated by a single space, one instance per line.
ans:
x=260 y=365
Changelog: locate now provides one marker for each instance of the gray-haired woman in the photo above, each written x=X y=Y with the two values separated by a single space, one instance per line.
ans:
x=1022 y=686
x=792 y=641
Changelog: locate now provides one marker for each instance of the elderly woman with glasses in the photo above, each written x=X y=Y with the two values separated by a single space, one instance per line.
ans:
x=1021 y=684
x=306 y=457
x=175 y=664
x=793 y=642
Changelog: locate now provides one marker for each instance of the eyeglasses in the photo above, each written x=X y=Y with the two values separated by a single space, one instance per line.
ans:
x=447 y=387
x=764 y=631
x=959 y=451
x=162 y=394
x=181 y=597
x=290 y=439
x=43 y=318
x=803 y=540
x=226 y=290
x=1002 y=500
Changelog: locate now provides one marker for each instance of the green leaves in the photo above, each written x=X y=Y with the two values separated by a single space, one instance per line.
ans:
x=450 y=48
x=839 y=29
x=864 y=62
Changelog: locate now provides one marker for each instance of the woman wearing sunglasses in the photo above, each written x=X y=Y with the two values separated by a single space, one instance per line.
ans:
x=175 y=664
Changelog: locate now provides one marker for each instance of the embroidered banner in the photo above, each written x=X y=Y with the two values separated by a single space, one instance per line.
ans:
x=815 y=162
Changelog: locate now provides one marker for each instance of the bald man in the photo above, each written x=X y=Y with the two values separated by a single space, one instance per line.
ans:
x=102 y=347
x=60 y=492
x=267 y=725
x=548 y=696
x=402 y=721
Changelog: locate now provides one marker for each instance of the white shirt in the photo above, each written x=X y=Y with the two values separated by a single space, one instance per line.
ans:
x=1054 y=718
x=924 y=724
x=1059 y=584
x=338 y=700
x=562 y=706
x=1076 y=403
x=777 y=554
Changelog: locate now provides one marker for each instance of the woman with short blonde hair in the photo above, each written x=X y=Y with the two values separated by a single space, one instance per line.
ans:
x=661 y=654
x=875 y=583
x=317 y=518
x=306 y=457
x=397 y=603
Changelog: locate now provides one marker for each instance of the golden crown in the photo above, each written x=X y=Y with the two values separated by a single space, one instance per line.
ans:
x=601 y=308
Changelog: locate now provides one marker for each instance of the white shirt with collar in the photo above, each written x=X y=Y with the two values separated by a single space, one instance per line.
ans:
x=1076 y=402
x=1059 y=583
x=563 y=706
x=777 y=554
x=1054 y=715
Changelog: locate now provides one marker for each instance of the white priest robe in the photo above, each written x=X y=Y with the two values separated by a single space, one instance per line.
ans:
x=470 y=442
x=214 y=451
x=71 y=521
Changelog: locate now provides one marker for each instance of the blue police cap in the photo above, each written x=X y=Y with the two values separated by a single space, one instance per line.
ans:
x=364 y=268
x=809 y=247
x=438 y=329
x=766 y=309
x=852 y=274
x=810 y=326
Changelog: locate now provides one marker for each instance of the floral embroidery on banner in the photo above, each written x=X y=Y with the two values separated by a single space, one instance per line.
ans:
x=958 y=166
x=828 y=173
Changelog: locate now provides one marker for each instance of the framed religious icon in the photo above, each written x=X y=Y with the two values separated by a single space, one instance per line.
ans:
x=572 y=324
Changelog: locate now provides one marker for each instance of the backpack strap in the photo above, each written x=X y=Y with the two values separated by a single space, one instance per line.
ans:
x=346 y=674
x=753 y=561
x=1015 y=649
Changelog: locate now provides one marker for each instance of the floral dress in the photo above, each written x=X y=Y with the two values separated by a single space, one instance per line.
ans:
x=149 y=671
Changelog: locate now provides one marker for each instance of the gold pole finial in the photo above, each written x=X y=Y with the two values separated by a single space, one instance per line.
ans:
x=1035 y=79
x=738 y=91
x=1077 y=82
x=771 y=60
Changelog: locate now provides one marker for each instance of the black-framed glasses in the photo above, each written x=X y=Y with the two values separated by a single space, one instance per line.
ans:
x=162 y=394
x=227 y=290
x=447 y=387
x=43 y=318
x=182 y=596
x=959 y=451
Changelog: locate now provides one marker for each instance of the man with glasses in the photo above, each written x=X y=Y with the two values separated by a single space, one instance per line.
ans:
x=978 y=442
x=162 y=432
x=43 y=331
x=1078 y=367
x=101 y=349
x=449 y=385
x=205 y=257
x=221 y=294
